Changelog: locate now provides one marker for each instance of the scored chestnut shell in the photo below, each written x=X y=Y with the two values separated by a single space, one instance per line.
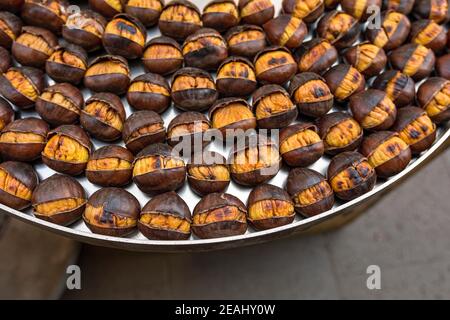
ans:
x=443 y=66
x=236 y=77
x=165 y=217
x=245 y=40
x=10 y=28
x=402 y=6
x=256 y=11
x=147 y=12
x=394 y=30
x=188 y=128
x=6 y=113
x=48 y=14
x=429 y=34
x=274 y=65
x=68 y=63
x=23 y=139
x=179 y=19
x=310 y=192
x=367 y=58
x=110 y=166
x=399 y=87
x=219 y=215
x=17 y=183
x=149 y=91
x=414 y=60
x=286 y=30
x=220 y=15
x=269 y=207
x=308 y=11
x=163 y=56
x=433 y=95
x=5 y=60
x=59 y=199
x=107 y=8
x=340 y=28
x=344 y=81
x=350 y=175
x=112 y=212
x=316 y=55
x=438 y=11
x=359 y=9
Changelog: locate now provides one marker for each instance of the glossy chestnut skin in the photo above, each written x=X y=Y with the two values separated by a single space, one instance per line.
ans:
x=159 y=63
x=236 y=77
x=402 y=6
x=59 y=67
x=316 y=55
x=179 y=29
x=135 y=140
x=300 y=180
x=115 y=203
x=147 y=15
x=384 y=37
x=439 y=11
x=59 y=187
x=221 y=20
x=429 y=34
x=290 y=6
x=257 y=15
x=443 y=66
x=280 y=70
x=105 y=9
x=23 y=173
x=48 y=14
x=426 y=94
x=366 y=58
x=399 y=87
x=353 y=8
x=5 y=60
x=343 y=39
x=275 y=196
x=109 y=177
x=55 y=114
x=147 y=99
x=14 y=27
x=198 y=124
x=238 y=47
x=168 y=204
x=221 y=227
x=6 y=113
x=23 y=151
x=344 y=76
x=400 y=57
x=360 y=176
x=13 y=6
x=276 y=29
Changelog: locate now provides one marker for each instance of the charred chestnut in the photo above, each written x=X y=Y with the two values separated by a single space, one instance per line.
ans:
x=6 y=113
x=286 y=30
x=5 y=60
x=149 y=91
x=438 y=11
x=399 y=87
x=394 y=31
x=17 y=183
x=67 y=64
x=316 y=55
x=10 y=29
x=107 y=8
x=256 y=11
x=179 y=19
x=414 y=60
x=236 y=77
x=339 y=28
x=402 y=6
x=163 y=56
x=147 y=12
x=220 y=15
x=434 y=96
x=367 y=58
x=188 y=128
x=48 y=14
x=274 y=65
x=359 y=8
x=429 y=34
x=246 y=40
x=344 y=81
x=443 y=66
x=308 y=11
x=108 y=74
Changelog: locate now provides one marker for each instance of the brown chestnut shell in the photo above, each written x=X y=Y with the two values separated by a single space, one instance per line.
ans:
x=376 y=65
x=14 y=25
x=246 y=48
x=157 y=102
x=323 y=61
x=6 y=113
x=188 y=118
x=399 y=86
x=26 y=175
x=436 y=43
x=162 y=65
x=276 y=27
x=426 y=92
x=260 y=17
x=238 y=86
x=64 y=72
x=48 y=14
x=289 y=7
x=147 y=16
x=177 y=29
x=443 y=66
x=341 y=40
x=400 y=57
x=279 y=74
x=439 y=11
x=5 y=60
x=221 y=21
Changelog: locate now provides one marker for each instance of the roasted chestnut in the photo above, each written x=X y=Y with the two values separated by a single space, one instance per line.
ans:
x=331 y=4
x=310 y=192
x=188 y=128
x=193 y=89
x=108 y=74
x=34 y=46
x=5 y=60
x=236 y=77
x=286 y=30
x=311 y=94
x=274 y=65
x=158 y=169
x=48 y=14
x=438 y=11
x=339 y=132
x=269 y=207
x=112 y=212
x=434 y=96
x=208 y=172
x=107 y=8
x=256 y=11
x=300 y=145
x=359 y=9
x=273 y=107
x=6 y=113
x=179 y=19
x=149 y=91
x=307 y=10
x=141 y=129
x=17 y=182
x=59 y=199
x=162 y=55
x=402 y=6
x=103 y=116
x=344 y=81
x=393 y=33
x=67 y=64
x=146 y=11
x=219 y=215
x=11 y=5
x=124 y=36
x=429 y=34
x=165 y=217
x=245 y=40
x=220 y=15
x=60 y=104
x=339 y=28
x=399 y=87
x=443 y=66
x=367 y=58
x=110 y=166
x=67 y=150
x=414 y=60
x=316 y=55
x=386 y=152
x=23 y=139
x=10 y=28
x=373 y=109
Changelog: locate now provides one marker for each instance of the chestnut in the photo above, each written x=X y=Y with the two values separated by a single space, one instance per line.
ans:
x=5 y=60
x=163 y=56
x=415 y=128
x=149 y=91
x=107 y=8
x=179 y=19
x=193 y=89
x=308 y=11
x=34 y=46
x=10 y=28
x=124 y=36
x=311 y=94
x=300 y=144
x=429 y=34
x=108 y=74
x=269 y=207
x=316 y=55
x=60 y=104
x=141 y=129
x=359 y=8
x=245 y=40
x=188 y=128
x=147 y=12
x=13 y=6
x=103 y=116
x=48 y=14
x=273 y=107
x=438 y=11
x=339 y=28
x=344 y=81
x=373 y=109
x=256 y=11
x=23 y=139
x=367 y=58
x=68 y=63
x=274 y=65
x=165 y=217
x=112 y=212
x=208 y=172
x=158 y=169
x=236 y=77
x=402 y=6
x=59 y=199
x=433 y=95
x=443 y=66
x=67 y=150
x=6 y=113
x=204 y=49
x=386 y=152
x=414 y=60
x=85 y=29
x=310 y=192
x=394 y=30
x=332 y=4
x=399 y=87
x=286 y=30
x=219 y=215
x=448 y=39
x=17 y=183
x=256 y=162
x=110 y=166
x=339 y=132
x=220 y=15
x=22 y=86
